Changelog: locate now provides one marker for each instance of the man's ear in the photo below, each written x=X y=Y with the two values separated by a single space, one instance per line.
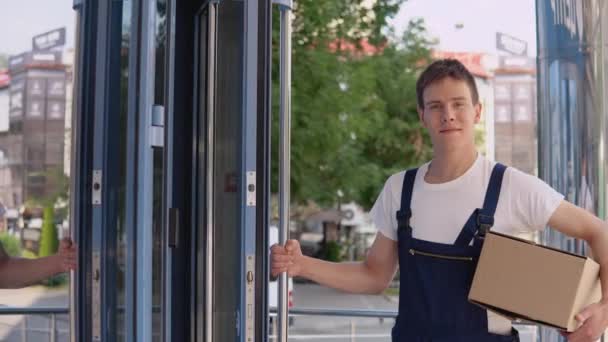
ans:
x=420 y=114
x=478 y=109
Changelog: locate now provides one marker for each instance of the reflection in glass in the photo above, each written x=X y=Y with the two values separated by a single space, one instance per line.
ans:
x=201 y=168
x=119 y=131
x=227 y=156
x=157 y=252
x=572 y=108
x=502 y=113
x=522 y=113
x=157 y=195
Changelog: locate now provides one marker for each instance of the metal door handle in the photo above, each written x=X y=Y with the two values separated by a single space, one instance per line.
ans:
x=285 y=7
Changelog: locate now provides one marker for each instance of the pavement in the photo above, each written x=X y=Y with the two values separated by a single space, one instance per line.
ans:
x=38 y=327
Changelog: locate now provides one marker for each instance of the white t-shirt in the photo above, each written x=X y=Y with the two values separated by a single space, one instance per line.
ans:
x=439 y=211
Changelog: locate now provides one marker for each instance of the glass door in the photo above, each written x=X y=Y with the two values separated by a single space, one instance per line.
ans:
x=219 y=192
x=215 y=170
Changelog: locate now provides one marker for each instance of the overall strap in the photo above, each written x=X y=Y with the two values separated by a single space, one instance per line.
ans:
x=405 y=213
x=482 y=219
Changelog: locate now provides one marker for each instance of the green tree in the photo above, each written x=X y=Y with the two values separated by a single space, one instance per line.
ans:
x=354 y=118
x=3 y=61
x=10 y=244
x=398 y=140
x=56 y=188
x=331 y=251
x=48 y=239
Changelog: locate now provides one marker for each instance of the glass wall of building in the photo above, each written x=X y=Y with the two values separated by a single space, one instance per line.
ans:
x=572 y=39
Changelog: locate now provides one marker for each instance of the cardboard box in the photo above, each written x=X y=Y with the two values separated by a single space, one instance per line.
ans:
x=522 y=280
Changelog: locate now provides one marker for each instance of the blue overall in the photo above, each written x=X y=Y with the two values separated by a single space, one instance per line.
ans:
x=435 y=278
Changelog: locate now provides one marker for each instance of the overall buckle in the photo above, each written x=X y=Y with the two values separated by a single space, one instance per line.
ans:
x=403 y=219
x=484 y=224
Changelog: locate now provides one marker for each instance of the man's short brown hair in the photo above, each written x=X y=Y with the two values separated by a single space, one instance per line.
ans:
x=441 y=69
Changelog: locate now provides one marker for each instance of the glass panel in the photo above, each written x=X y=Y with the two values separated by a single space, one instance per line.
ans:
x=35 y=146
x=572 y=110
x=200 y=173
x=161 y=41
x=157 y=252
x=157 y=196
x=227 y=165
x=119 y=132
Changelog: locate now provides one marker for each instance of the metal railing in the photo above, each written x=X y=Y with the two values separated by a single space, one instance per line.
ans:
x=51 y=331
x=340 y=313
x=352 y=335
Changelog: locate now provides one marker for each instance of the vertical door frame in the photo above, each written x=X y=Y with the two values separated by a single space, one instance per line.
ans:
x=168 y=181
x=264 y=128
x=249 y=172
x=203 y=237
x=145 y=169
x=81 y=164
x=100 y=263
x=255 y=131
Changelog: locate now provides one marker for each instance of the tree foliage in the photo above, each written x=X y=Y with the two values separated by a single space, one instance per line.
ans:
x=354 y=119
x=49 y=243
x=57 y=186
x=11 y=244
x=3 y=61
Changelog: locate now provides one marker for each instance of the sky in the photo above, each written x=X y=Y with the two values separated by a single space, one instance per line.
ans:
x=20 y=20
x=480 y=19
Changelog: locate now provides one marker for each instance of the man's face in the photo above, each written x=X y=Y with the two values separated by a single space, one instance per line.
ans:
x=449 y=113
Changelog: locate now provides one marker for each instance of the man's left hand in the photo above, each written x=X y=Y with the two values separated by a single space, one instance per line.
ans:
x=67 y=255
x=594 y=320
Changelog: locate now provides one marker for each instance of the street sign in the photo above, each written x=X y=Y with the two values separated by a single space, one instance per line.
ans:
x=510 y=44
x=49 y=40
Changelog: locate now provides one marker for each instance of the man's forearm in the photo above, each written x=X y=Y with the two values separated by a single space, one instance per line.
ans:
x=19 y=272
x=355 y=277
x=599 y=248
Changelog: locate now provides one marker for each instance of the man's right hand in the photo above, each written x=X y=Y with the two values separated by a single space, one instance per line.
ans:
x=286 y=258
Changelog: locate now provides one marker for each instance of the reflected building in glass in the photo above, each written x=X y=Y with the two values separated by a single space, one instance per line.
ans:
x=572 y=36
x=5 y=175
x=515 y=112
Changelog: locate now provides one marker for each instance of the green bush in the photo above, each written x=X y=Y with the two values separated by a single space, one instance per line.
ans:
x=56 y=280
x=27 y=254
x=332 y=251
x=11 y=244
x=48 y=239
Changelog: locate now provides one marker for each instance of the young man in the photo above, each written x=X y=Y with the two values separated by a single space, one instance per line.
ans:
x=17 y=272
x=430 y=221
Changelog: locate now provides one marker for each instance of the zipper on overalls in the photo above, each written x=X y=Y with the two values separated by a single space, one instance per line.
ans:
x=447 y=257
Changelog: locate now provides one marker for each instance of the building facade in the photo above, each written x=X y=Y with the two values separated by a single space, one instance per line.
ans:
x=515 y=113
x=34 y=143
